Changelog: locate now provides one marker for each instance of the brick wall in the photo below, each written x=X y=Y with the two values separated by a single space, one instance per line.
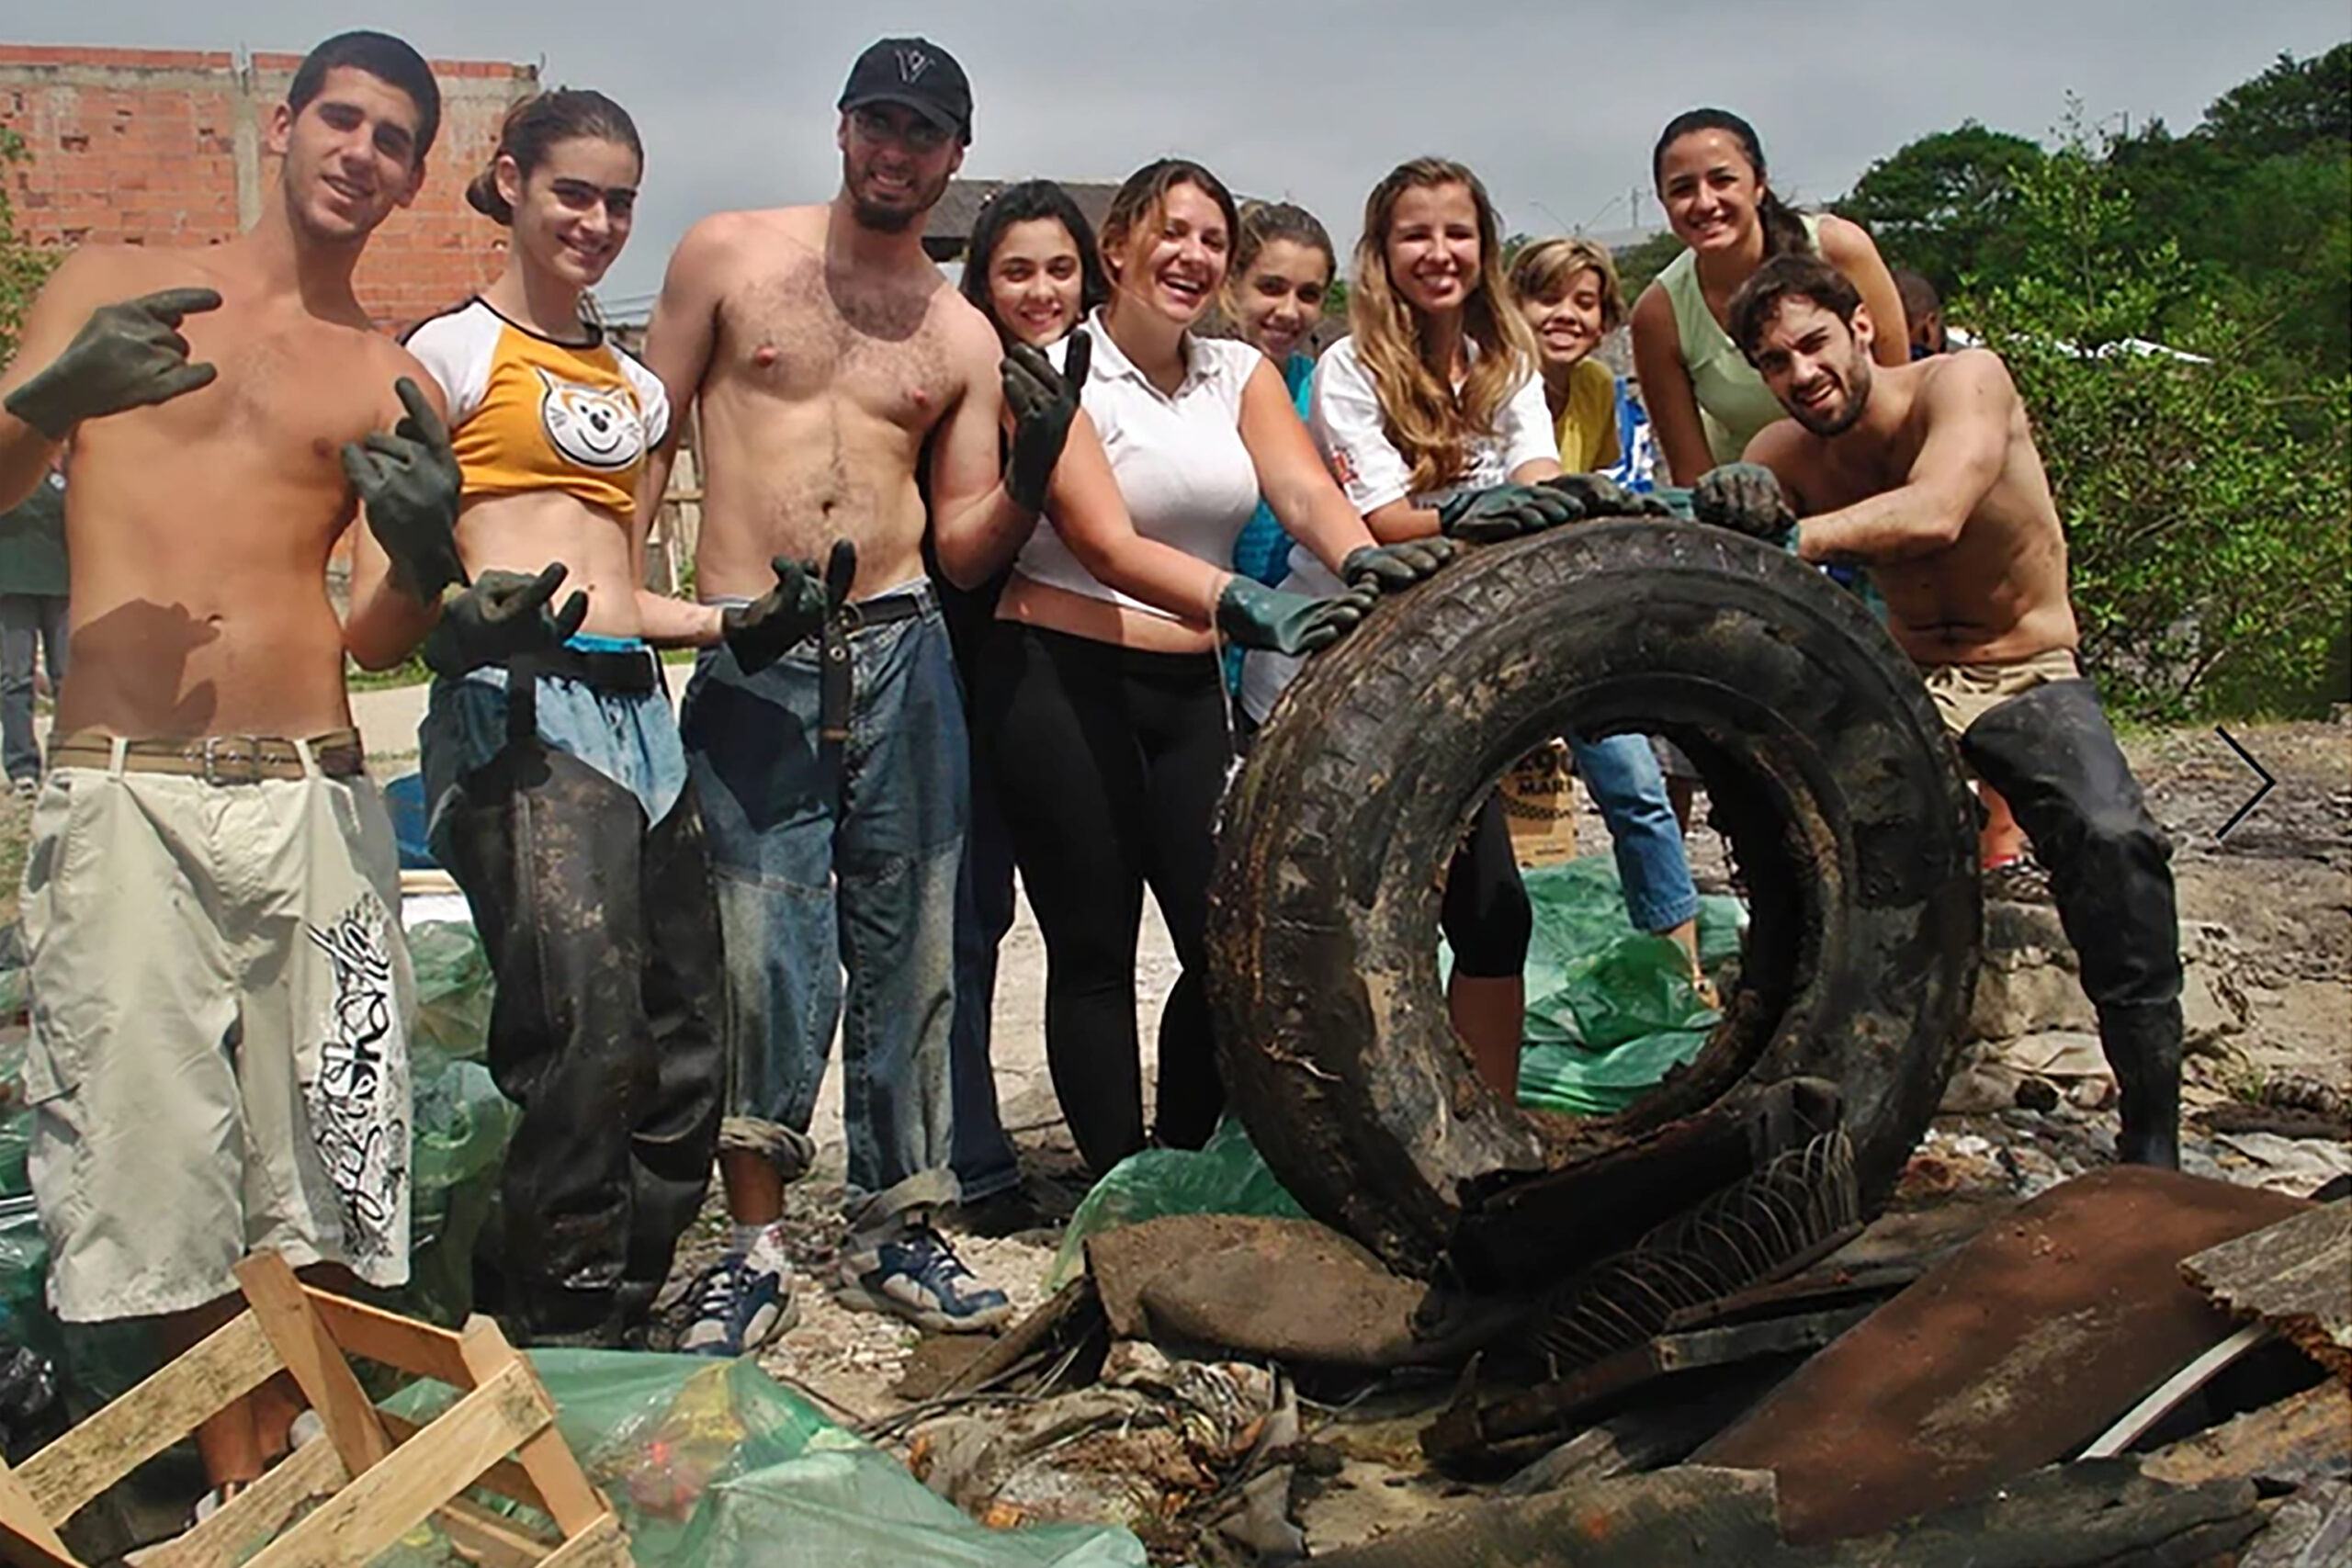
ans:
x=136 y=146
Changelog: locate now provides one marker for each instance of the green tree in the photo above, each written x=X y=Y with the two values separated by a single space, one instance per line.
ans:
x=1944 y=205
x=2289 y=109
x=2259 y=196
x=2205 y=509
x=1639 y=264
x=23 y=265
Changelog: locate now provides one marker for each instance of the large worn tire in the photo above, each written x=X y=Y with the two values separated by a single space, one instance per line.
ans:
x=1827 y=769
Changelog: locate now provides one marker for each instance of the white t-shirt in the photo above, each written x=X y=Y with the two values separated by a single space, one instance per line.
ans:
x=1183 y=470
x=1350 y=431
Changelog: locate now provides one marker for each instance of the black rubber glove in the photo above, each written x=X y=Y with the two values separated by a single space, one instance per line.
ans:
x=1503 y=511
x=125 y=356
x=1388 y=568
x=1252 y=615
x=1597 y=496
x=502 y=615
x=408 y=481
x=1044 y=401
x=841 y=574
x=1748 y=498
x=764 y=631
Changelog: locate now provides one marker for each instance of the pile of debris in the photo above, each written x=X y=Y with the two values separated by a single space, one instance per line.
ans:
x=2132 y=1366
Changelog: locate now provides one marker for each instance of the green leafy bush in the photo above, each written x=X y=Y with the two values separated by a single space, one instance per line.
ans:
x=2208 y=510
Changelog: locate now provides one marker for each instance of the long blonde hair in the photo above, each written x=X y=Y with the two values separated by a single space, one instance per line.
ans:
x=1433 y=425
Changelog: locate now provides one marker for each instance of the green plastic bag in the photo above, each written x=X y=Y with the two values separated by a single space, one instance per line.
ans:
x=714 y=1464
x=1610 y=1010
x=1225 y=1176
x=16 y=1122
x=461 y=1122
x=457 y=1148
x=99 y=1361
x=454 y=989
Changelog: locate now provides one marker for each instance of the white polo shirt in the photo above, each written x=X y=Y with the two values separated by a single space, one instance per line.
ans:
x=1351 y=433
x=1183 y=470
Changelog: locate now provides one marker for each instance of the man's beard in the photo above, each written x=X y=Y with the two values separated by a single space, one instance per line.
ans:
x=894 y=220
x=884 y=219
x=1858 y=399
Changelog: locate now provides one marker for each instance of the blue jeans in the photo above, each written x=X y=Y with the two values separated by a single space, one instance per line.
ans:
x=1623 y=775
x=832 y=856
x=31 y=625
x=631 y=740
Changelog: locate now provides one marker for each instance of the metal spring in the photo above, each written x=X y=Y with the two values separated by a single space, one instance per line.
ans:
x=1734 y=1240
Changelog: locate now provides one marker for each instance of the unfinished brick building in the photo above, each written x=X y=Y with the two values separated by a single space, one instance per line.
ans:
x=137 y=146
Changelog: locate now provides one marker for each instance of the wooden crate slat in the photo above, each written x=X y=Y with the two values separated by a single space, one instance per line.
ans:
x=394 y=1341
x=27 y=1538
x=312 y=1470
x=570 y=1500
x=601 y=1545
x=388 y=1500
x=374 y=1481
x=283 y=1309
x=491 y=1539
x=18 y=1550
x=22 y=1524
x=506 y=1478
x=232 y=1360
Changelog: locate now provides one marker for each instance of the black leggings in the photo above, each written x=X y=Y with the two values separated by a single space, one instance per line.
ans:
x=1486 y=916
x=1108 y=763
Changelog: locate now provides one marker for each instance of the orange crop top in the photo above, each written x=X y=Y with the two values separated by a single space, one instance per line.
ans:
x=529 y=414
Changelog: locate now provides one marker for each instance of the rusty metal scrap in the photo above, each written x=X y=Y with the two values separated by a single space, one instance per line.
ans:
x=2009 y=1355
x=1474 y=1425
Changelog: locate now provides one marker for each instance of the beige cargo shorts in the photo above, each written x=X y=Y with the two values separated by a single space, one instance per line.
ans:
x=1965 y=692
x=221 y=1007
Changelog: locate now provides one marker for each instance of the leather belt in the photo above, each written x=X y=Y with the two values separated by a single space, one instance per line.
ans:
x=836 y=693
x=216 y=759
x=630 y=674
x=634 y=674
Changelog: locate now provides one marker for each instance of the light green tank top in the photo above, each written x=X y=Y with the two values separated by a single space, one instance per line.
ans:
x=1733 y=403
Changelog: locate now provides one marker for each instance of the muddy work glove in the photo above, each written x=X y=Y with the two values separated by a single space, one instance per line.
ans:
x=408 y=484
x=764 y=631
x=504 y=613
x=1748 y=498
x=1043 y=400
x=1597 y=496
x=1250 y=614
x=1389 y=569
x=125 y=356
x=1503 y=511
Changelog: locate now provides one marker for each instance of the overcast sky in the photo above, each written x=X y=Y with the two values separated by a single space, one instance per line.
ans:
x=1556 y=105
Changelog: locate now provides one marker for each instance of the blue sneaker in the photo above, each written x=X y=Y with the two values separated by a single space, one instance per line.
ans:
x=740 y=1306
x=917 y=1276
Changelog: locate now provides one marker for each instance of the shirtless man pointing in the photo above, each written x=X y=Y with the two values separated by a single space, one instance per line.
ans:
x=219 y=1061
x=1926 y=474
x=829 y=355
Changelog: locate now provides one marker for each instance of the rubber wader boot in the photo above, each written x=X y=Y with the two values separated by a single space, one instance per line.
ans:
x=2142 y=1044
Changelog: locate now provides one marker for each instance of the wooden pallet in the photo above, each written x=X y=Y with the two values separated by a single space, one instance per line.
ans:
x=374 y=1478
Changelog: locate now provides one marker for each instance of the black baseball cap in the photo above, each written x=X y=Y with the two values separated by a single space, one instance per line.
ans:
x=917 y=73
